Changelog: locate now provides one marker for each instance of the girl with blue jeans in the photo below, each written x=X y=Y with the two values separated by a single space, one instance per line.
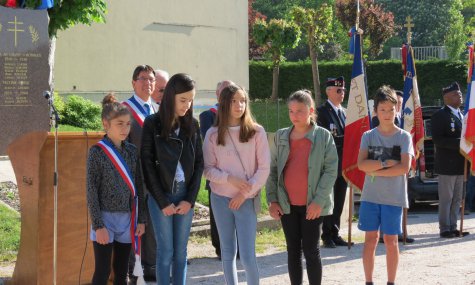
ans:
x=172 y=161
x=237 y=162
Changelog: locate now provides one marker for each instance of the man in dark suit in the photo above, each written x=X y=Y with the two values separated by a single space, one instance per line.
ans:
x=331 y=116
x=141 y=105
x=207 y=120
x=449 y=163
x=397 y=119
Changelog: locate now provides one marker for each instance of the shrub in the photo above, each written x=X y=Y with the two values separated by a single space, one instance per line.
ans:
x=59 y=104
x=432 y=75
x=82 y=113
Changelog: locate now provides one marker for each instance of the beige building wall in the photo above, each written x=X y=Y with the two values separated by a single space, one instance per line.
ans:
x=207 y=39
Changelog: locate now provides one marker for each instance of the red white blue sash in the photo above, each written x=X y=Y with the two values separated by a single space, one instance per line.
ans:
x=136 y=109
x=124 y=171
x=214 y=109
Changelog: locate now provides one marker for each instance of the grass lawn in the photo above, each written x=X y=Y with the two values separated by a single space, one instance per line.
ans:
x=265 y=239
x=9 y=233
x=69 y=128
x=271 y=115
x=203 y=198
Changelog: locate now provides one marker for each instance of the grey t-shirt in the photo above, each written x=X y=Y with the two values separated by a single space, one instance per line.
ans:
x=386 y=190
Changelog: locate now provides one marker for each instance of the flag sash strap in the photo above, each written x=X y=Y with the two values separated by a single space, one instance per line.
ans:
x=137 y=111
x=214 y=109
x=124 y=171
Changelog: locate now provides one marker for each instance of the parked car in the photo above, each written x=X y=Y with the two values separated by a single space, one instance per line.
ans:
x=423 y=186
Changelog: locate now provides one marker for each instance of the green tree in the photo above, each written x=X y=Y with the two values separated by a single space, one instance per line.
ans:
x=316 y=25
x=66 y=14
x=279 y=9
x=255 y=51
x=277 y=35
x=455 y=39
x=377 y=24
x=432 y=19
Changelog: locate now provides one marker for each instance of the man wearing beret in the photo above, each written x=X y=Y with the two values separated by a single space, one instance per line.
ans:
x=332 y=116
x=449 y=163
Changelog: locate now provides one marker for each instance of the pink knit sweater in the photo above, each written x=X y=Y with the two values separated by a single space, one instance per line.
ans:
x=221 y=161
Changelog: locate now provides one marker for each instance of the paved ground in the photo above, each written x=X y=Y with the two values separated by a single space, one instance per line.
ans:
x=430 y=260
x=6 y=171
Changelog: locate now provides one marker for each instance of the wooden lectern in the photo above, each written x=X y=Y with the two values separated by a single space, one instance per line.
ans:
x=32 y=158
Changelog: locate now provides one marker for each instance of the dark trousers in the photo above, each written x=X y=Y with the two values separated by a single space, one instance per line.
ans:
x=213 y=228
x=148 y=248
x=470 y=194
x=102 y=258
x=331 y=223
x=300 y=235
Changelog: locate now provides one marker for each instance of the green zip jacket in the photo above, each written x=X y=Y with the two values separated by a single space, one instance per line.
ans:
x=322 y=169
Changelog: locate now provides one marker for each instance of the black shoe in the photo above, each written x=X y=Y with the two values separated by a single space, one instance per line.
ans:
x=132 y=280
x=447 y=234
x=149 y=273
x=339 y=241
x=328 y=243
x=408 y=239
x=457 y=233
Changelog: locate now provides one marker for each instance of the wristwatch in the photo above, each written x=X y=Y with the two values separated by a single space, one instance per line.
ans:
x=384 y=164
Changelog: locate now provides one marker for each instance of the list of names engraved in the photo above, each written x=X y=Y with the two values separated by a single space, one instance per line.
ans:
x=15 y=84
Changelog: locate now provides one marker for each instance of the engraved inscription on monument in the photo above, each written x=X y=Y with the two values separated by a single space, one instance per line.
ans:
x=24 y=73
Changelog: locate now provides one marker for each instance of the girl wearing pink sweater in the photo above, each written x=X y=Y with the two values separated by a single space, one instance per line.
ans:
x=237 y=161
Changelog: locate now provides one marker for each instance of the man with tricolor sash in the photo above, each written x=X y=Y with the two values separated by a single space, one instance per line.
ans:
x=141 y=106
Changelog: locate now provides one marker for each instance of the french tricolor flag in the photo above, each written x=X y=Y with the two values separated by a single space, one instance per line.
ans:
x=357 y=119
x=468 y=128
x=411 y=110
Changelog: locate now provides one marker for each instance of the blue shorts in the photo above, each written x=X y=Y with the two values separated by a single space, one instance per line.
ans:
x=117 y=225
x=375 y=216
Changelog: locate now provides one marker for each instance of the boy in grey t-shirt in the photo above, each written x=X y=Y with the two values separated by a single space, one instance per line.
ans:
x=389 y=190
x=385 y=156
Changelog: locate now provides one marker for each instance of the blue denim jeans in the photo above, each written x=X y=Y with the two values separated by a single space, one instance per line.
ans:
x=171 y=234
x=242 y=222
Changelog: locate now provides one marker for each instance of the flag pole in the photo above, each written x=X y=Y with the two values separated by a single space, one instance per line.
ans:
x=350 y=204
x=350 y=217
x=404 y=226
x=464 y=191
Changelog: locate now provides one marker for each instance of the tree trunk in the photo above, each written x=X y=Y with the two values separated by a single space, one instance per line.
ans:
x=275 y=82
x=315 y=75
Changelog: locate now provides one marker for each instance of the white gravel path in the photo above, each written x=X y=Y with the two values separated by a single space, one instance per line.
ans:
x=430 y=260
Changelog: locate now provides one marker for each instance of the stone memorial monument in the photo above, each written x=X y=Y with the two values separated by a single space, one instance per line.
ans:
x=24 y=73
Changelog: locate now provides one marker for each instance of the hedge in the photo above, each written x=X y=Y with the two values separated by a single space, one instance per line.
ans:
x=432 y=76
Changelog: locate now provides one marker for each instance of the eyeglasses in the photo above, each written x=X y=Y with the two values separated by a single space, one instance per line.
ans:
x=341 y=90
x=151 y=80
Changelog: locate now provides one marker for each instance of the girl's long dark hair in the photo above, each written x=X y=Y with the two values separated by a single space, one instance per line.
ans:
x=178 y=83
